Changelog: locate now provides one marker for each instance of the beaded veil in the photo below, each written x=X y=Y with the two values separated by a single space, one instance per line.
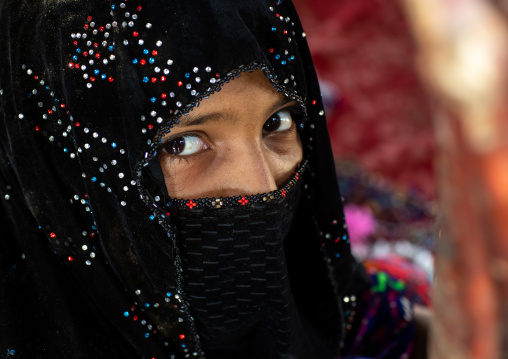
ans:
x=89 y=261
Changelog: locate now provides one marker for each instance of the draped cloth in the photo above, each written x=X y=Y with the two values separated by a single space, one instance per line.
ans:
x=89 y=254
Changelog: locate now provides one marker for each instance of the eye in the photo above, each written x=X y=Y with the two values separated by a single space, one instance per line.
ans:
x=184 y=145
x=279 y=121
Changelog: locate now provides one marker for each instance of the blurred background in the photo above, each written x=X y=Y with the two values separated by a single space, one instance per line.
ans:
x=415 y=92
x=380 y=125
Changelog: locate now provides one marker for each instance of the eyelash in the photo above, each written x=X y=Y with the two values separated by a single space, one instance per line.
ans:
x=295 y=112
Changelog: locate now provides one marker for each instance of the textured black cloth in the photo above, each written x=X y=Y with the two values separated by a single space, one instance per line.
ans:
x=236 y=280
x=89 y=264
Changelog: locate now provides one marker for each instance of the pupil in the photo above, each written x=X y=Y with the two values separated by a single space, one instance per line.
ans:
x=272 y=124
x=175 y=146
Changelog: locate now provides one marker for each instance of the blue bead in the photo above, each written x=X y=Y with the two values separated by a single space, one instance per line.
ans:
x=78 y=51
x=135 y=61
x=111 y=47
x=183 y=345
x=187 y=75
x=12 y=352
x=274 y=28
x=96 y=71
x=337 y=255
x=283 y=62
x=344 y=237
x=151 y=60
x=103 y=76
x=277 y=56
x=125 y=314
x=147 y=335
x=168 y=294
x=94 y=179
x=65 y=150
x=147 y=305
x=145 y=79
x=75 y=58
x=145 y=51
x=113 y=144
x=152 y=217
x=113 y=7
x=153 y=99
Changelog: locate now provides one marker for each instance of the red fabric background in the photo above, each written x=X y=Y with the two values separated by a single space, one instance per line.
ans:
x=381 y=118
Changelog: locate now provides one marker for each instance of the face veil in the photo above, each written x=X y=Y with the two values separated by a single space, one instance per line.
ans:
x=91 y=261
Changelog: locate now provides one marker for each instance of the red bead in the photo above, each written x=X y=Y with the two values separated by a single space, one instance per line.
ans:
x=285 y=32
x=86 y=26
x=179 y=83
x=71 y=65
x=163 y=78
x=142 y=62
x=271 y=49
x=76 y=66
x=314 y=102
x=154 y=52
x=110 y=79
x=191 y=204
x=89 y=18
x=85 y=54
x=77 y=124
x=75 y=43
x=62 y=105
x=95 y=45
x=70 y=259
x=139 y=8
x=182 y=336
x=154 y=79
x=52 y=235
x=168 y=214
x=37 y=128
x=150 y=127
x=135 y=317
x=135 y=34
x=50 y=111
x=101 y=29
x=97 y=56
x=92 y=79
x=164 y=95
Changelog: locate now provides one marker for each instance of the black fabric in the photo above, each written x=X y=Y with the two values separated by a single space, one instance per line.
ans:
x=236 y=279
x=89 y=252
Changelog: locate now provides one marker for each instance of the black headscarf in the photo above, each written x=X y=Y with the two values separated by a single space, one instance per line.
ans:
x=89 y=259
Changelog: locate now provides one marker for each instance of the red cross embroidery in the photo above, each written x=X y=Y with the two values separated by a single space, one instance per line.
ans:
x=243 y=201
x=191 y=204
x=283 y=193
x=296 y=178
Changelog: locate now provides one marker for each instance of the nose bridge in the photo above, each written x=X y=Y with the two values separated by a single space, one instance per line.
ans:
x=248 y=171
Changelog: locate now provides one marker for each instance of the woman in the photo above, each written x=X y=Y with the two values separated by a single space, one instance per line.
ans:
x=169 y=190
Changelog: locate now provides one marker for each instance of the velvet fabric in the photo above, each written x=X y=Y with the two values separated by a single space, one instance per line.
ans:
x=89 y=254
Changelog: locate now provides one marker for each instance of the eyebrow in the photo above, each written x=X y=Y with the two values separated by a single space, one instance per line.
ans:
x=198 y=120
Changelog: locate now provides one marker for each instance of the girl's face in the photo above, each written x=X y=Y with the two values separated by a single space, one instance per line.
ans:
x=242 y=140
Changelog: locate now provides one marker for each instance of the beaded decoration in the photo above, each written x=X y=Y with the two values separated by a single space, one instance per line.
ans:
x=240 y=201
